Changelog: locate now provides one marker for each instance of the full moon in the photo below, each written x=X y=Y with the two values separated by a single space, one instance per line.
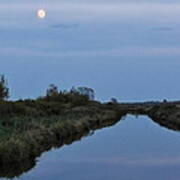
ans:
x=41 y=13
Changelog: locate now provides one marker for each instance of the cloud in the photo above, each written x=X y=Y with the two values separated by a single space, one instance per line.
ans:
x=118 y=11
x=165 y=29
x=99 y=11
x=162 y=51
x=153 y=161
x=64 y=26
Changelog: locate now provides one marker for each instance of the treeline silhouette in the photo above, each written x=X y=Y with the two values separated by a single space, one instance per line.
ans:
x=53 y=103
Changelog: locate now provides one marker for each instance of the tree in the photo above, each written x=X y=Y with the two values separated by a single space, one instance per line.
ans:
x=4 y=90
x=114 y=100
x=86 y=92
x=52 y=91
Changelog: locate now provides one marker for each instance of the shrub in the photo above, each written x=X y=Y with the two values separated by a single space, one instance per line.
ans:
x=4 y=91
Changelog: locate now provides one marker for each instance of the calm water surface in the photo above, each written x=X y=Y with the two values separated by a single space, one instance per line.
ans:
x=135 y=148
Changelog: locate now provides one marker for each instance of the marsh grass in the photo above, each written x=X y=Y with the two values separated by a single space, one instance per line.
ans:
x=30 y=127
x=25 y=138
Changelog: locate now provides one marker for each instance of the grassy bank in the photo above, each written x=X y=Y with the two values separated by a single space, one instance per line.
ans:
x=29 y=127
x=41 y=134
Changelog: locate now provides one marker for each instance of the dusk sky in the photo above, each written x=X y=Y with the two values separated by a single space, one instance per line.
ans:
x=119 y=48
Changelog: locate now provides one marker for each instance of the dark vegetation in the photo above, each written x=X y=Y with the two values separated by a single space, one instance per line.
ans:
x=31 y=126
x=4 y=90
x=29 y=114
x=27 y=146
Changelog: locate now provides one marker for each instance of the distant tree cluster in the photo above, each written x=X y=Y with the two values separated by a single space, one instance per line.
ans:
x=114 y=100
x=75 y=95
x=52 y=91
x=4 y=90
x=89 y=92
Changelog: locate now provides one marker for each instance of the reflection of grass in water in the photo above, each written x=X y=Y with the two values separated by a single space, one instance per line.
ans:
x=30 y=127
x=32 y=136
x=23 y=138
x=167 y=115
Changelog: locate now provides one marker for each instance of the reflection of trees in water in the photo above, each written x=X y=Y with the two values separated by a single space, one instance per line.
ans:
x=11 y=170
x=167 y=124
x=165 y=115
